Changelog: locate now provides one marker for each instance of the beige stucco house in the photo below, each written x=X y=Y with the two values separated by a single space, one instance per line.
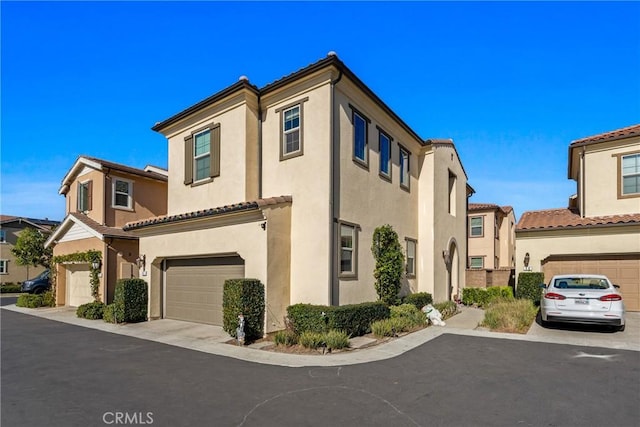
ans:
x=10 y=229
x=286 y=183
x=101 y=197
x=491 y=245
x=599 y=232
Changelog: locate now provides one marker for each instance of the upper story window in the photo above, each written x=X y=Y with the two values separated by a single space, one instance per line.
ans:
x=84 y=196
x=476 y=226
x=411 y=257
x=292 y=129
x=631 y=175
x=404 y=167
x=360 y=138
x=122 y=193
x=202 y=155
x=3 y=236
x=348 y=249
x=4 y=266
x=384 y=141
x=496 y=229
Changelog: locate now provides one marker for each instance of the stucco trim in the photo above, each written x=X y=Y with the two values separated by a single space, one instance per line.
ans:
x=619 y=157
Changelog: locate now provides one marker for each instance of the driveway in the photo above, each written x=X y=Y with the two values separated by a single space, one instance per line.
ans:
x=57 y=374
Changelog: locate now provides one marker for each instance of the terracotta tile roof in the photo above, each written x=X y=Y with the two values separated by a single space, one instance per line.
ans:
x=237 y=207
x=102 y=229
x=127 y=169
x=476 y=207
x=569 y=218
x=626 y=132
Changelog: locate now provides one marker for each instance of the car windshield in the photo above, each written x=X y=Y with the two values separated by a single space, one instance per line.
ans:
x=42 y=275
x=581 y=283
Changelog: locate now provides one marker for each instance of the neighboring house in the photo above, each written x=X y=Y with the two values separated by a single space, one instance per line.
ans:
x=491 y=245
x=599 y=232
x=10 y=229
x=286 y=184
x=101 y=197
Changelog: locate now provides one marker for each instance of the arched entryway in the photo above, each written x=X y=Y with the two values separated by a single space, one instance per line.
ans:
x=452 y=260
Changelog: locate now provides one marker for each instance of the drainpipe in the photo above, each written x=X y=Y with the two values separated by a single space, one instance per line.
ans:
x=581 y=178
x=259 y=148
x=332 y=190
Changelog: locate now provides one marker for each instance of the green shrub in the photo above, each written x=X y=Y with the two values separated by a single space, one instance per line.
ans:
x=390 y=327
x=529 y=286
x=446 y=309
x=354 y=319
x=409 y=312
x=311 y=339
x=336 y=340
x=419 y=299
x=10 y=288
x=286 y=337
x=131 y=299
x=246 y=297
x=389 y=258
x=48 y=299
x=113 y=313
x=29 y=301
x=92 y=310
x=483 y=296
x=510 y=315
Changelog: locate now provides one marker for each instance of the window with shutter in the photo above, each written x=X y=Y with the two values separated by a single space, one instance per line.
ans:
x=202 y=155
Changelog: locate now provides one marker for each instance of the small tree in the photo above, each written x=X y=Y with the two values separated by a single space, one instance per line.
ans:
x=387 y=252
x=29 y=249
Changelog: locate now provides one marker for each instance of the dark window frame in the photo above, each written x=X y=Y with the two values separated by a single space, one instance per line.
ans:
x=356 y=113
x=353 y=273
x=281 y=114
x=385 y=175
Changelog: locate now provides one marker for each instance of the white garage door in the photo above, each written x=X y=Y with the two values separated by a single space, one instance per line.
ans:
x=78 y=285
x=193 y=289
x=623 y=270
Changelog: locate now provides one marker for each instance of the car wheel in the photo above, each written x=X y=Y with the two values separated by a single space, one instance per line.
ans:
x=38 y=291
x=621 y=328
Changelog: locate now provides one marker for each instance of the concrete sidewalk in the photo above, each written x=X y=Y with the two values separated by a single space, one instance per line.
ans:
x=213 y=340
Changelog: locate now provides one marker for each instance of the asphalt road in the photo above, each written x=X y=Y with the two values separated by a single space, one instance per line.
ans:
x=55 y=374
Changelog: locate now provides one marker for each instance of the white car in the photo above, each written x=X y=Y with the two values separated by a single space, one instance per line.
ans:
x=582 y=298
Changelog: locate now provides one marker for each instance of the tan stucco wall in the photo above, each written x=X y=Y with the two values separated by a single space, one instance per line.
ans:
x=121 y=259
x=235 y=141
x=485 y=245
x=149 y=200
x=367 y=199
x=600 y=240
x=97 y=194
x=307 y=179
x=15 y=273
x=601 y=179
x=277 y=285
x=507 y=242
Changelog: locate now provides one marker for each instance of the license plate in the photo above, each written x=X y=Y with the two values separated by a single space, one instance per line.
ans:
x=582 y=301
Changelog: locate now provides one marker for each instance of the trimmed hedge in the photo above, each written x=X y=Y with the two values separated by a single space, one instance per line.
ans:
x=419 y=299
x=529 y=286
x=10 y=288
x=354 y=319
x=92 y=310
x=246 y=297
x=129 y=302
x=36 y=300
x=483 y=296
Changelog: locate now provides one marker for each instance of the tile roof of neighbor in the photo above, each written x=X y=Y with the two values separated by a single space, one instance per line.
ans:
x=626 y=132
x=102 y=229
x=488 y=206
x=128 y=169
x=46 y=222
x=236 y=207
x=569 y=218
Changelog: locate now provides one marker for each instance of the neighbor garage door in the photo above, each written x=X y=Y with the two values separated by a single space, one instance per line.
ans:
x=623 y=270
x=193 y=290
x=78 y=284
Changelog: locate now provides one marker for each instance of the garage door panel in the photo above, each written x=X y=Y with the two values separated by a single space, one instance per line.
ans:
x=194 y=287
x=79 y=285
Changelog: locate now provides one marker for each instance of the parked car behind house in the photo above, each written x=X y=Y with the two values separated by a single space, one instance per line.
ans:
x=582 y=298
x=38 y=284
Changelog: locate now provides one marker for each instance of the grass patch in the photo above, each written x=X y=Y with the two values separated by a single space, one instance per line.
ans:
x=510 y=315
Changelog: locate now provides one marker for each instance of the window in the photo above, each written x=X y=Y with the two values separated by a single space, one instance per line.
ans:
x=4 y=266
x=291 y=129
x=360 y=137
x=122 y=192
x=631 y=174
x=452 y=193
x=411 y=257
x=476 y=224
x=496 y=229
x=84 y=196
x=3 y=236
x=404 y=167
x=476 y=262
x=348 y=249
x=385 y=154
x=202 y=155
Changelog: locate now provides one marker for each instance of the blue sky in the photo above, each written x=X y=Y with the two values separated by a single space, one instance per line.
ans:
x=511 y=83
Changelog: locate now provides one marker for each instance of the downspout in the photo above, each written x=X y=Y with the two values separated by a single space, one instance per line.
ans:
x=583 y=166
x=332 y=192
x=259 y=148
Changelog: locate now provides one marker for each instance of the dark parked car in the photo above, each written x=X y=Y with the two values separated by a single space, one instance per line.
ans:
x=38 y=284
